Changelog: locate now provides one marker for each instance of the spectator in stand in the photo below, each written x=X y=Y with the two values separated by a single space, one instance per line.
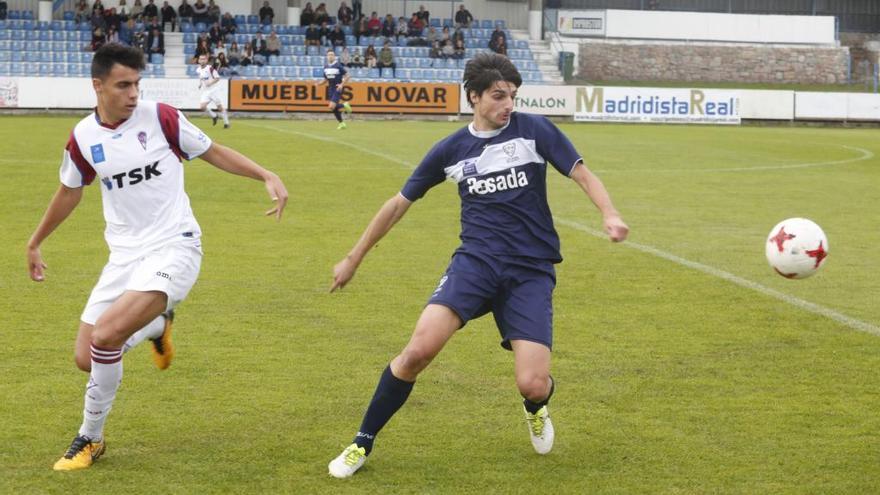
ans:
x=213 y=11
x=344 y=14
x=185 y=12
x=459 y=49
x=98 y=7
x=156 y=42
x=222 y=65
x=202 y=48
x=374 y=25
x=259 y=45
x=247 y=57
x=98 y=38
x=153 y=24
x=98 y=21
x=336 y=37
x=458 y=35
x=139 y=41
x=307 y=16
x=137 y=11
x=126 y=32
x=444 y=35
x=267 y=15
x=435 y=50
x=313 y=38
x=402 y=27
x=415 y=26
x=151 y=11
x=357 y=9
x=219 y=48
x=82 y=12
x=273 y=44
x=463 y=17
x=4 y=10
x=122 y=11
x=432 y=36
x=168 y=16
x=500 y=46
x=228 y=25
x=324 y=30
x=321 y=15
x=215 y=34
x=234 y=54
x=448 y=51
x=370 y=56
x=497 y=35
x=345 y=57
x=112 y=35
x=357 y=59
x=112 y=19
x=424 y=15
x=389 y=26
x=360 y=29
x=386 y=59
x=200 y=12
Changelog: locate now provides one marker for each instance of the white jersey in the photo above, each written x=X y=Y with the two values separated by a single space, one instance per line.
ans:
x=207 y=74
x=139 y=164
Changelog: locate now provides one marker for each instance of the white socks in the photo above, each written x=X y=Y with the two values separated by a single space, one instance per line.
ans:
x=225 y=116
x=104 y=381
x=211 y=113
x=153 y=330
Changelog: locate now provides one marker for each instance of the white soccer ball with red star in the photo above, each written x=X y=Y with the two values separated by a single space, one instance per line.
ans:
x=796 y=248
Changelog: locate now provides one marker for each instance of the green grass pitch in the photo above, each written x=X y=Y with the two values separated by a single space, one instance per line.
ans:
x=672 y=378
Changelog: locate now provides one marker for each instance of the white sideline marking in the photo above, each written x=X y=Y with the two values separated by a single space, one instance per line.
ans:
x=715 y=272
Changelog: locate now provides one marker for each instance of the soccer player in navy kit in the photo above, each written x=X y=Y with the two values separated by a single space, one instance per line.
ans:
x=505 y=261
x=335 y=76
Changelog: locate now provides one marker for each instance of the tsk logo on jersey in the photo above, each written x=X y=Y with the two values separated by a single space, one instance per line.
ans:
x=511 y=180
x=134 y=176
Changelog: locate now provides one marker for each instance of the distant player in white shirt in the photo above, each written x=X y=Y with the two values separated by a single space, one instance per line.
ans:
x=208 y=79
x=135 y=148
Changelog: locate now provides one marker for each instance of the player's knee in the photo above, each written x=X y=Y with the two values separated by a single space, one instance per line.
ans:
x=83 y=362
x=108 y=333
x=534 y=386
x=412 y=361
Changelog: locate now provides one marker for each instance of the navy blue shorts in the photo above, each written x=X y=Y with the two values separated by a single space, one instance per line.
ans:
x=519 y=294
x=333 y=94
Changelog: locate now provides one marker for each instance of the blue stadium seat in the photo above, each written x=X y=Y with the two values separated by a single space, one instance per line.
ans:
x=487 y=24
x=44 y=70
x=5 y=57
x=241 y=38
x=253 y=19
x=56 y=26
x=304 y=72
x=27 y=25
x=69 y=25
x=157 y=58
x=58 y=70
x=434 y=22
x=186 y=28
x=273 y=60
x=159 y=70
x=86 y=57
x=68 y=15
x=276 y=72
x=250 y=71
x=5 y=70
x=58 y=36
x=240 y=19
x=191 y=70
x=32 y=56
x=189 y=38
x=448 y=23
x=5 y=34
x=500 y=23
x=288 y=60
x=58 y=57
x=416 y=74
x=16 y=69
x=17 y=56
x=317 y=72
x=251 y=28
x=17 y=34
x=316 y=60
x=13 y=14
x=298 y=50
x=27 y=14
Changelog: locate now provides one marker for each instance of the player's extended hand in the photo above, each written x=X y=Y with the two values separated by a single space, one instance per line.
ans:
x=615 y=228
x=35 y=264
x=343 y=272
x=339 y=86
x=278 y=193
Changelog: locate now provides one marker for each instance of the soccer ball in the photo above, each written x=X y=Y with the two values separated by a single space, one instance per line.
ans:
x=796 y=248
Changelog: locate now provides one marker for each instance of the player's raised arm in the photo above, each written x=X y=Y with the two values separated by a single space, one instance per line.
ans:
x=611 y=220
x=60 y=207
x=229 y=160
x=390 y=213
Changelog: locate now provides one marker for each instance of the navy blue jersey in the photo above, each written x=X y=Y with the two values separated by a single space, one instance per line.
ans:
x=334 y=72
x=502 y=182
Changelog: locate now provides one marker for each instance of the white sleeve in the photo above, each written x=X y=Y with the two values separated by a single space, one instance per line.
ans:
x=70 y=175
x=193 y=142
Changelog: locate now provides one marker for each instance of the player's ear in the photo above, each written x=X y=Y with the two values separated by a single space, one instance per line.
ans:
x=97 y=84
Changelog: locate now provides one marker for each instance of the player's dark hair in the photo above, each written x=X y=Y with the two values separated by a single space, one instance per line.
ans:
x=486 y=69
x=115 y=53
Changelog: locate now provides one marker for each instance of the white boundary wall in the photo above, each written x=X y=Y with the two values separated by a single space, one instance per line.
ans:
x=698 y=26
x=77 y=93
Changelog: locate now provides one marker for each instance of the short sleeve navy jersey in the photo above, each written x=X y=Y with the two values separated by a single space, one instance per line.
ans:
x=334 y=72
x=501 y=177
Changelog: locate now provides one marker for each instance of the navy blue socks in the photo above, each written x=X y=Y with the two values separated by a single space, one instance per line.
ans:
x=533 y=407
x=390 y=395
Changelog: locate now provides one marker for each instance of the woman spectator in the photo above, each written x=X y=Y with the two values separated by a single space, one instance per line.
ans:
x=222 y=65
x=344 y=14
x=459 y=49
x=98 y=38
x=202 y=48
x=307 y=16
x=389 y=26
x=233 y=54
x=247 y=56
x=98 y=7
x=321 y=15
x=435 y=50
x=402 y=27
x=447 y=50
x=215 y=34
x=137 y=10
x=415 y=26
x=219 y=49
x=371 y=57
x=345 y=57
x=112 y=35
x=82 y=12
x=357 y=59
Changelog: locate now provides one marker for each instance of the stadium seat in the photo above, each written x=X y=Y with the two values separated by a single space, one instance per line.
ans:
x=186 y=28
x=304 y=72
x=157 y=58
x=16 y=69
x=434 y=22
x=86 y=57
x=191 y=70
x=189 y=38
x=253 y=19
x=448 y=23
x=13 y=14
x=27 y=14
x=69 y=15
x=201 y=27
x=290 y=72
x=317 y=72
x=4 y=70
x=58 y=57
x=58 y=70
x=250 y=71
x=5 y=57
x=27 y=25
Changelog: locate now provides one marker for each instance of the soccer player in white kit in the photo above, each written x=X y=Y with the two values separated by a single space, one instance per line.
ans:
x=208 y=79
x=135 y=148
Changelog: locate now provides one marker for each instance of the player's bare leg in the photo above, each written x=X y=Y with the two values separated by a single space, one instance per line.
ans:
x=157 y=331
x=435 y=327
x=131 y=312
x=335 y=107
x=532 y=369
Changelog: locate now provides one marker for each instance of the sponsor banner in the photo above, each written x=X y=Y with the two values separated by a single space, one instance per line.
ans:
x=304 y=96
x=179 y=93
x=8 y=92
x=541 y=100
x=657 y=105
x=581 y=22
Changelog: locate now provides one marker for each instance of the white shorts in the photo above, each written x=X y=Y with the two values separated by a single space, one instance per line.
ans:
x=211 y=96
x=172 y=269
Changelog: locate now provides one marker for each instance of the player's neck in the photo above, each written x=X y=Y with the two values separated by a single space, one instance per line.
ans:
x=484 y=125
x=106 y=118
